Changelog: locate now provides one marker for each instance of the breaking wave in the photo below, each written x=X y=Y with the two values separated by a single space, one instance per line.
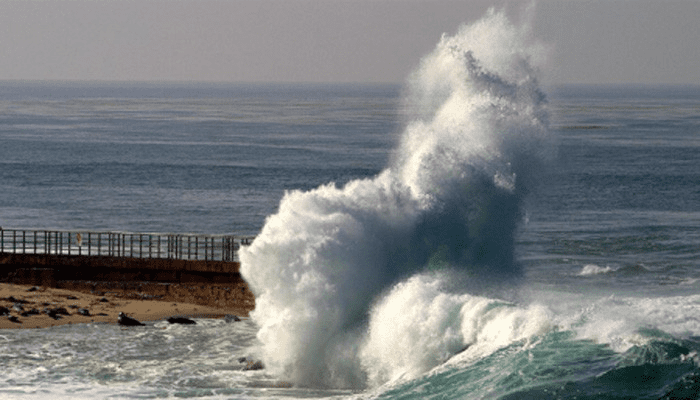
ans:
x=390 y=276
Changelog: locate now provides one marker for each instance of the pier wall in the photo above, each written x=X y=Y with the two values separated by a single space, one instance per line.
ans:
x=207 y=275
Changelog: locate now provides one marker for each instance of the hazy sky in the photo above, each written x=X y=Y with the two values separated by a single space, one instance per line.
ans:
x=331 y=40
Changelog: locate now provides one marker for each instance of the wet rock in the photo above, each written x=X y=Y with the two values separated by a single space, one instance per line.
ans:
x=231 y=318
x=31 y=312
x=253 y=366
x=12 y=299
x=128 y=321
x=181 y=320
x=61 y=311
x=51 y=313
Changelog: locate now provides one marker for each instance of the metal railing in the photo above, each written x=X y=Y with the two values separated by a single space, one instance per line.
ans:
x=123 y=244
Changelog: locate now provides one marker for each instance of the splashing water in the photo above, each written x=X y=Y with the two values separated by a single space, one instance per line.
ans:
x=447 y=205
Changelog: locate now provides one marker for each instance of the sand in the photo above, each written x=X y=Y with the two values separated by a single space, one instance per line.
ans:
x=102 y=308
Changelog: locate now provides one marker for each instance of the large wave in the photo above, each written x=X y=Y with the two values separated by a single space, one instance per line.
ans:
x=329 y=269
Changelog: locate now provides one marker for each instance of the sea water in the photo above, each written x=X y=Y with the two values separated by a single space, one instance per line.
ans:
x=471 y=234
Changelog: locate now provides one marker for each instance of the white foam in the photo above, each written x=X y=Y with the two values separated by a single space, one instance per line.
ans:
x=419 y=326
x=592 y=269
x=451 y=198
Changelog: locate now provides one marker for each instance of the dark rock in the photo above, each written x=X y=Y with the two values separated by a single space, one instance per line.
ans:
x=127 y=321
x=84 y=311
x=181 y=320
x=33 y=311
x=51 y=312
x=104 y=300
x=71 y=297
x=4 y=310
x=61 y=311
x=14 y=319
x=12 y=299
x=254 y=366
x=101 y=315
x=32 y=289
x=231 y=318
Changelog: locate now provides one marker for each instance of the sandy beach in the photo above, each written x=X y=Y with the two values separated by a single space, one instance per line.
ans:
x=41 y=307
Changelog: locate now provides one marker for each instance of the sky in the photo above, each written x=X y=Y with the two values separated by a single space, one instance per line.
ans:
x=604 y=41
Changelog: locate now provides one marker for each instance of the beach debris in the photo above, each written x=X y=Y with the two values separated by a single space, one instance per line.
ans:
x=231 y=318
x=128 y=321
x=13 y=318
x=181 y=320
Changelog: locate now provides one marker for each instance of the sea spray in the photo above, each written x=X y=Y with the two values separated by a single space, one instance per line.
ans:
x=450 y=200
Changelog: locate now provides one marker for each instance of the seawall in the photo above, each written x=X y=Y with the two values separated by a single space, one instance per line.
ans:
x=206 y=282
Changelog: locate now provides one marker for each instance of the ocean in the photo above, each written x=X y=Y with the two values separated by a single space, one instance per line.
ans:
x=471 y=234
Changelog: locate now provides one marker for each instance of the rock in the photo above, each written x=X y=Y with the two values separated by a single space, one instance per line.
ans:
x=181 y=320
x=84 y=311
x=61 y=311
x=104 y=300
x=17 y=307
x=254 y=366
x=4 y=310
x=127 y=321
x=231 y=318
x=33 y=311
x=14 y=319
x=12 y=299
x=71 y=297
x=51 y=312
x=32 y=289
